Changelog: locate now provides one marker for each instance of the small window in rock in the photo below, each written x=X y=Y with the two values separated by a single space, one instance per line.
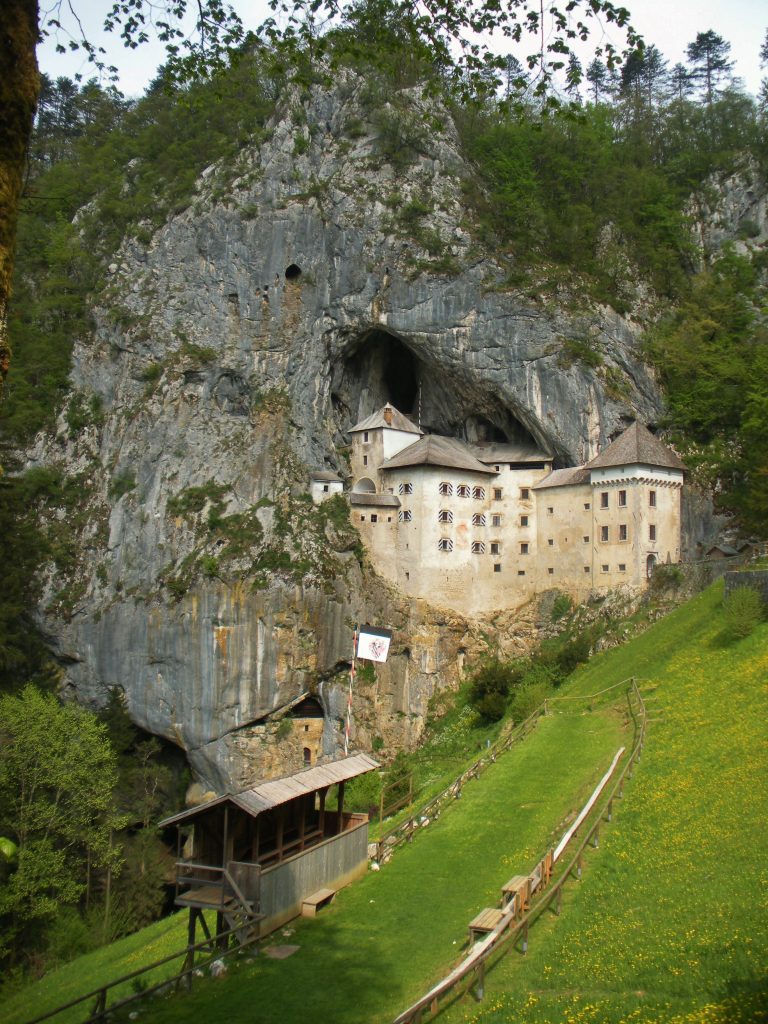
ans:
x=307 y=755
x=293 y=272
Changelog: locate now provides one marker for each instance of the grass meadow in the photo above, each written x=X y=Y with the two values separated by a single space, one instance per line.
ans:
x=668 y=923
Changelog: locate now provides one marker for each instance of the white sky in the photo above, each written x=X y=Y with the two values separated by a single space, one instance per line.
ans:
x=669 y=24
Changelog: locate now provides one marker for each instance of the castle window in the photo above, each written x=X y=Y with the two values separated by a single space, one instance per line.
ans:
x=604 y=533
x=365 y=460
x=551 y=571
x=365 y=437
x=497 y=492
x=445 y=516
x=525 y=493
x=405 y=488
x=521 y=572
x=495 y=547
x=604 y=499
x=479 y=493
x=496 y=520
x=404 y=515
x=478 y=547
x=585 y=539
x=622 y=567
x=523 y=520
x=524 y=548
x=445 y=544
x=587 y=506
x=551 y=542
x=604 y=568
x=463 y=490
x=550 y=511
x=652 y=499
x=586 y=568
x=374 y=518
x=478 y=519
x=362 y=519
x=445 y=487
x=497 y=566
x=622 y=531
x=326 y=488
x=622 y=499
x=651 y=532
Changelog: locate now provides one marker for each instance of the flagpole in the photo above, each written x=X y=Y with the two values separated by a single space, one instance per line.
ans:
x=349 y=698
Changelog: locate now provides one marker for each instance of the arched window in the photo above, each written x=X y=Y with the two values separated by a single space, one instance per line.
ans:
x=405 y=488
x=479 y=493
x=404 y=515
x=307 y=755
x=478 y=519
x=463 y=490
x=445 y=516
x=445 y=487
x=445 y=544
x=478 y=547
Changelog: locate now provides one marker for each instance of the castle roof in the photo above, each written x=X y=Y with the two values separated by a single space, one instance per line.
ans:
x=388 y=416
x=569 y=477
x=374 y=499
x=433 y=450
x=325 y=474
x=636 y=445
x=508 y=452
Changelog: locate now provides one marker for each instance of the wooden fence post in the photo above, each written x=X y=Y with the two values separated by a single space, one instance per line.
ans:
x=609 y=815
x=596 y=837
x=525 y=939
x=480 y=986
x=559 y=900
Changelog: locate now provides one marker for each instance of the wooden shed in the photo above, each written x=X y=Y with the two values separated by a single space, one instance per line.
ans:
x=256 y=856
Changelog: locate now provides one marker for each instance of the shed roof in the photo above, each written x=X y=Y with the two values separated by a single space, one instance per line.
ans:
x=569 y=477
x=279 y=791
x=378 y=419
x=433 y=450
x=637 y=445
x=508 y=452
x=325 y=474
x=369 y=498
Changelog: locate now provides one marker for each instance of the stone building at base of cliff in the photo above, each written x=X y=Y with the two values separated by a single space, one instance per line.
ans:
x=484 y=527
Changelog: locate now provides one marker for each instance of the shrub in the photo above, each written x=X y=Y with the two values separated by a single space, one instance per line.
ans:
x=527 y=698
x=743 y=609
x=120 y=484
x=561 y=607
x=490 y=687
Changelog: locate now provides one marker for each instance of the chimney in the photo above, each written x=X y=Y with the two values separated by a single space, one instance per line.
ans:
x=388 y=414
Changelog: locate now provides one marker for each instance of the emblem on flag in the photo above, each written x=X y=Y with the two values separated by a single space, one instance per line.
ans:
x=373 y=643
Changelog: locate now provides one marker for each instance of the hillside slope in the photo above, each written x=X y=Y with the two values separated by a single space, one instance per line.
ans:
x=669 y=922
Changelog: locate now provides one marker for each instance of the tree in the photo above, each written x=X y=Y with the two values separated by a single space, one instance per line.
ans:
x=599 y=80
x=709 y=55
x=573 y=77
x=57 y=776
x=680 y=84
x=643 y=75
x=219 y=33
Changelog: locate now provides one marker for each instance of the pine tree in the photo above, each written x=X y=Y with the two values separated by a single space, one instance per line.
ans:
x=708 y=54
x=680 y=84
x=599 y=80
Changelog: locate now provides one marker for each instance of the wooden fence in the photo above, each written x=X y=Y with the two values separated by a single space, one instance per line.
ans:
x=405 y=830
x=512 y=927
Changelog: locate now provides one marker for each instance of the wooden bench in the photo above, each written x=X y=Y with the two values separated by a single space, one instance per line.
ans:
x=517 y=889
x=485 y=922
x=311 y=904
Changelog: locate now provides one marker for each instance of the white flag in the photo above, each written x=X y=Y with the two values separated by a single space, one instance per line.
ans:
x=373 y=643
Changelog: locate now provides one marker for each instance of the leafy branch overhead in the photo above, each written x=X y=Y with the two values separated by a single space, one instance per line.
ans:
x=458 y=32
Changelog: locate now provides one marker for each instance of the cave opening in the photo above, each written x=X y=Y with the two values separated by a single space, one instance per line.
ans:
x=380 y=366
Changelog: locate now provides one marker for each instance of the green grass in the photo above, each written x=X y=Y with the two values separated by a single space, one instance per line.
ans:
x=388 y=935
x=669 y=923
x=89 y=971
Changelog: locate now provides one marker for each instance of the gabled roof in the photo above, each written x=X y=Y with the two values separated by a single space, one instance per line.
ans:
x=564 y=478
x=433 y=450
x=279 y=791
x=325 y=474
x=378 y=419
x=637 y=445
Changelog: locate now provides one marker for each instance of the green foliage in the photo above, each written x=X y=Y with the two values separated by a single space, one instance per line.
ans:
x=284 y=729
x=192 y=500
x=121 y=483
x=562 y=606
x=57 y=775
x=490 y=687
x=743 y=610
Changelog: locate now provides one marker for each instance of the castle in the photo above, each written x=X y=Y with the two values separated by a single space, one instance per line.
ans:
x=483 y=527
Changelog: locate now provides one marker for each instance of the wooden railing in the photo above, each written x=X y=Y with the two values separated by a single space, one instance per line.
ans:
x=405 y=830
x=513 y=927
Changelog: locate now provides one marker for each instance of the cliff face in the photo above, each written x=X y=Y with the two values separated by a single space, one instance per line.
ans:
x=320 y=276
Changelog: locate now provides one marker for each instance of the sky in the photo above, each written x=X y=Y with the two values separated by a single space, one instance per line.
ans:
x=669 y=24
